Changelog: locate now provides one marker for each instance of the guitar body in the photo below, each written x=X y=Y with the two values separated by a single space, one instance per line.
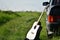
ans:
x=34 y=32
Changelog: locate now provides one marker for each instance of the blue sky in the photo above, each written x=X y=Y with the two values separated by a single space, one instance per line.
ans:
x=22 y=5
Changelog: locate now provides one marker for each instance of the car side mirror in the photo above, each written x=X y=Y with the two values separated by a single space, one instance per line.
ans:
x=45 y=3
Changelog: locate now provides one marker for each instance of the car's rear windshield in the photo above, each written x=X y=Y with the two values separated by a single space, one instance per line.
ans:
x=56 y=2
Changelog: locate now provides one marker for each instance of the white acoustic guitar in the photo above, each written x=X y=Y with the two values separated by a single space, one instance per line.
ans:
x=36 y=28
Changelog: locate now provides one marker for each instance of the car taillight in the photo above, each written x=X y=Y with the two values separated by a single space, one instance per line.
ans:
x=50 y=18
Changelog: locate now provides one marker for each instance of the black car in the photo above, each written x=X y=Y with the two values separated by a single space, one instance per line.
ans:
x=53 y=17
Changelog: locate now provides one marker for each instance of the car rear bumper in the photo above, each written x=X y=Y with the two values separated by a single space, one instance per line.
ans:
x=53 y=26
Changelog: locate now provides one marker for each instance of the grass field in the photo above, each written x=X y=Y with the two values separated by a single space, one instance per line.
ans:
x=15 y=25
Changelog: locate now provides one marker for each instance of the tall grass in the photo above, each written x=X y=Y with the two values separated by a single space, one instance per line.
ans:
x=15 y=26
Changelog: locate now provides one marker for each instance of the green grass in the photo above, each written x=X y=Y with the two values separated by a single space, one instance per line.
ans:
x=15 y=25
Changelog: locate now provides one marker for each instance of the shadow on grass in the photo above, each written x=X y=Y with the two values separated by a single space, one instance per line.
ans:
x=3 y=20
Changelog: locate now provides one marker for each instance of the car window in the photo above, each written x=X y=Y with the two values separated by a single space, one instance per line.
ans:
x=55 y=2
